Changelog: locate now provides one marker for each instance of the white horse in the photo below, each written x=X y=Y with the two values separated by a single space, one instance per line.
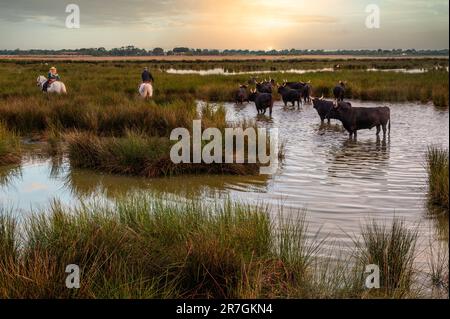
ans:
x=146 y=90
x=55 y=87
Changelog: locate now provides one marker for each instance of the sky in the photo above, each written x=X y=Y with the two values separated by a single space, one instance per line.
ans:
x=225 y=24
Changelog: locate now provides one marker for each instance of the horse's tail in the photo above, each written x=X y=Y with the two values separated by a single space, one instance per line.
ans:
x=63 y=88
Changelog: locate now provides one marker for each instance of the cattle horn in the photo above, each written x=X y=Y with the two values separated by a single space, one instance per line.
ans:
x=321 y=97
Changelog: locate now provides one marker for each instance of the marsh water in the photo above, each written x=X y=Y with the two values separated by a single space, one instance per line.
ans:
x=338 y=182
x=222 y=71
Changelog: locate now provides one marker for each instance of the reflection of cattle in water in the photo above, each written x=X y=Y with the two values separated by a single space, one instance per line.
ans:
x=263 y=101
x=241 y=95
x=350 y=156
x=359 y=118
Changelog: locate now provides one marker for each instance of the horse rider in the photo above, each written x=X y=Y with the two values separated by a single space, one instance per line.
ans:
x=147 y=76
x=52 y=76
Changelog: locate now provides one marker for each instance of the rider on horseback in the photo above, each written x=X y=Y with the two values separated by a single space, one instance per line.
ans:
x=51 y=77
x=147 y=76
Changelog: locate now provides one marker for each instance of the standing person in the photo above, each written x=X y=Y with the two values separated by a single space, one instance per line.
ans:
x=52 y=76
x=147 y=76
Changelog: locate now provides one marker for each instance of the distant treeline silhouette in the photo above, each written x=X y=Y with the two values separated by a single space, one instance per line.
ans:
x=134 y=51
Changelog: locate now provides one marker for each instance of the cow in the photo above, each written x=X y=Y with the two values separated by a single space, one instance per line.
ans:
x=304 y=89
x=252 y=81
x=262 y=101
x=294 y=85
x=241 y=95
x=359 y=118
x=264 y=87
x=290 y=95
x=323 y=108
x=306 y=92
x=339 y=91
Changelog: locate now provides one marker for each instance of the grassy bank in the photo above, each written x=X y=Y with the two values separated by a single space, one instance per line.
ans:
x=150 y=248
x=140 y=155
x=438 y=179
x=9 y=147
x=103 y=115
x=108 y=85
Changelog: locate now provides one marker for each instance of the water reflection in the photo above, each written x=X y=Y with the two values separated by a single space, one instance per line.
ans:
x=440 y=219
x=226 y=72
x=365 y=159
x=8 y=174
x=83 y=183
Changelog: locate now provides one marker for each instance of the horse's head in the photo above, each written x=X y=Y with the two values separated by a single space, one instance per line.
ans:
x=40 y=80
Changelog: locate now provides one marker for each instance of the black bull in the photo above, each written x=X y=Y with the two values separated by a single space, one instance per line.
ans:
x=359 y=118
x=262 y=102
x=290 y=95
x=323 y=108
x=304 y=89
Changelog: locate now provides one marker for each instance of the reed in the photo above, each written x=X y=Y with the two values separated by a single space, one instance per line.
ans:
x=392 y=249
x=10 y=149
x=139 y=155
x=144 y=246
x=437 y=167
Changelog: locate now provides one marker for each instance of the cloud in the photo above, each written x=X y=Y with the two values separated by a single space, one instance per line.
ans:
x=221 y=24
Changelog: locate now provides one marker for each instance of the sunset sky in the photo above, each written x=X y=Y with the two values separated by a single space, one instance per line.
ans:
x=234 y=24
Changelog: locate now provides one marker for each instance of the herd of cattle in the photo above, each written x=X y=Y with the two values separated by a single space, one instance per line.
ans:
x=352 y=118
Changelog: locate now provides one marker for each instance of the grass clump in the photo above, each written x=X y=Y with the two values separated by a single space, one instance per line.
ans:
x=140 y=155
x=392 y=249
x=437 y=167
x=144 y=246
x=10 y=151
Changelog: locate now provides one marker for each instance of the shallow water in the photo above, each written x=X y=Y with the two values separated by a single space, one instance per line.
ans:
x=338 y=182
x=222 y=71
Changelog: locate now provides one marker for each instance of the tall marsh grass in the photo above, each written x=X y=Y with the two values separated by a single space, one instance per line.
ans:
x=108 y=103
x=9 y=146
x=150 y=247
x=140 y=155
x=392 y=248
x=437 y=160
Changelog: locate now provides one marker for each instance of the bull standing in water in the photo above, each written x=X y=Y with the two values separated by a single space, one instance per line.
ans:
x=264 y=87
x=241 y=95
x=339 y=92
x=323 y=108
x=262 y=101
x=359 y=118
x=290 y=95
x=303 y=88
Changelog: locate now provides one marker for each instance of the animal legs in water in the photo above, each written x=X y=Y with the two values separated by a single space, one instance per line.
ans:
x=378 y=129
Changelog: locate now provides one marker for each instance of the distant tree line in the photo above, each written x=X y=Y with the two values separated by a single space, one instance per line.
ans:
x=131 y=50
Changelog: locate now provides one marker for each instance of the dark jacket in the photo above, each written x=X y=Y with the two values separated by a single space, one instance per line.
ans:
x=51 y=76
x=147 y=76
